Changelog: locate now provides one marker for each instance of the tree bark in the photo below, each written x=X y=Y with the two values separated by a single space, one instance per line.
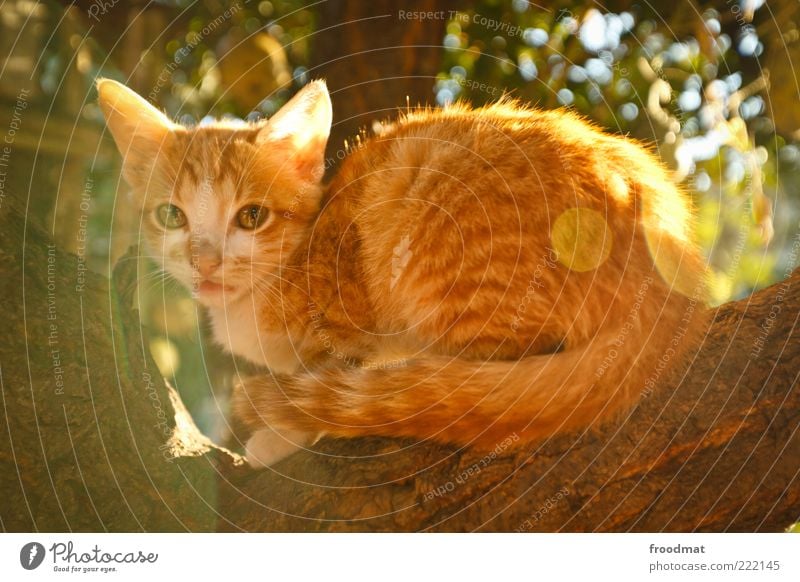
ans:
x=91 y=439
x=398 y=55
x=715 y=447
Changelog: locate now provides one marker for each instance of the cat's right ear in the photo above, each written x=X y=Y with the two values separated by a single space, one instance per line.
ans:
x=299 y=131
x=139 y=129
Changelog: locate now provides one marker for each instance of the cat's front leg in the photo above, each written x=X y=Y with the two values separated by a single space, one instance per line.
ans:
x=271 y=440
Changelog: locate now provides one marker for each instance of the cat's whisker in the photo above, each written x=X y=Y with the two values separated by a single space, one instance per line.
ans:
x=266 y=286
x=282 y=280
x=146 y=277
x=289 y=268
x=272 y=290
x=158 y=277
x=150 y=287
x=268 y=296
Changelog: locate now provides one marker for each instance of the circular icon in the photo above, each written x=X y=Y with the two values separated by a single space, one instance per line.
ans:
x=31 y=555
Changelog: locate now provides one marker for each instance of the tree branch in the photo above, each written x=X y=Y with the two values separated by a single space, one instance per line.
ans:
x=92 y=439
x=714 y=447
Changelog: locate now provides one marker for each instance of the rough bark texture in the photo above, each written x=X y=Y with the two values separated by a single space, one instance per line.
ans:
x=399 y=56
x=90 y=438
x=713 y=448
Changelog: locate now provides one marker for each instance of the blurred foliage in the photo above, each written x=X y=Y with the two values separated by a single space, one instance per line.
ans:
x=690 y=84
x=258 y=48
x=685 y=78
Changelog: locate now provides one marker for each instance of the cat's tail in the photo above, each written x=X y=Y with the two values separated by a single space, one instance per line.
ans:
x=478 y=402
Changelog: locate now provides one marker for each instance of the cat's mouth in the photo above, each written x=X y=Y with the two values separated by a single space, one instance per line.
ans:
x=208 y=289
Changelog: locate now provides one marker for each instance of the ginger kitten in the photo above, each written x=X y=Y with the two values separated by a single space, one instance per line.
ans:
x=468 y=275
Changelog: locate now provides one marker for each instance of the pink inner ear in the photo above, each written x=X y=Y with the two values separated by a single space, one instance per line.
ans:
x=308 y=160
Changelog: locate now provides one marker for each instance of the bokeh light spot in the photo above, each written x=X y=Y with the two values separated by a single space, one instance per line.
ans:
x=582 y=239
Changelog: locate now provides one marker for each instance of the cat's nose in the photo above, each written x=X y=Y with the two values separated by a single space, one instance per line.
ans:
x=207 y=265
x=205 y=258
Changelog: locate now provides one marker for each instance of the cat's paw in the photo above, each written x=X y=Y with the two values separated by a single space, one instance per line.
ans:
x=267 y=446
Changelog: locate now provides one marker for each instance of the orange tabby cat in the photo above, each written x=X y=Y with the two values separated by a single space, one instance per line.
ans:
x=468 y=275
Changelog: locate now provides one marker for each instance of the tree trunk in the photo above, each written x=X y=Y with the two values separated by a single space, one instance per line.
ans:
x=92 y=439
x=376 y=59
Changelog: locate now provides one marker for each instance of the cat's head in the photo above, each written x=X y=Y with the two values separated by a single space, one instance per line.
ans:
x=222 y=204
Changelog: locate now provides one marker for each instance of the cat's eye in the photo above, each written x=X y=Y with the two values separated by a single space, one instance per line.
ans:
x=170 y=216
x=252 y=216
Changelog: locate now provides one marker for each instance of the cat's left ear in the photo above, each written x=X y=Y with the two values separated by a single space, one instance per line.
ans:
x=140 y=131
x=301 y=129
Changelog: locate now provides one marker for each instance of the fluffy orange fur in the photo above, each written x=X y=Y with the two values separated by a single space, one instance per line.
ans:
x=467 y=275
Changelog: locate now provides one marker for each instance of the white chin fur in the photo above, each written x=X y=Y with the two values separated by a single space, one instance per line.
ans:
x=266 y=447
x=216 y=300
